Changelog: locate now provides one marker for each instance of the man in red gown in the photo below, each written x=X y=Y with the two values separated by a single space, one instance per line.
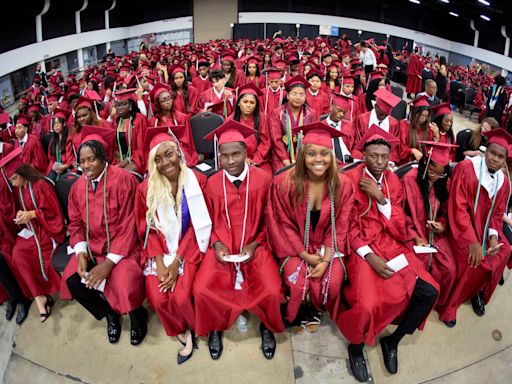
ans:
x=479 y=197
x=343 y=145
x=347 y=99
x=274 y=92
x=32 y=153
x=377 y=293
x=202 y=79
x=316 y=98
x=104 y=239
x=414 y=70
x=236 y=197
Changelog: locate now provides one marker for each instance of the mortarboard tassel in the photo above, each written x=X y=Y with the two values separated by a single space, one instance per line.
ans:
x=428 y=162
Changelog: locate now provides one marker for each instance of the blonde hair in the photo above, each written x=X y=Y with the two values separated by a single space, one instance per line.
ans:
x=160 y=189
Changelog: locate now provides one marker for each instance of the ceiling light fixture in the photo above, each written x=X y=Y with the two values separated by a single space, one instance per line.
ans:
x=486 y=18
x=445 y=1
x=454 y=14
x=415 y=1
x=484 y=2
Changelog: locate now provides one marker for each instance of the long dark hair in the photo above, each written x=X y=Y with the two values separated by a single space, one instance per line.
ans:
x=256 y=112
x=29 y=173
x=414 y=125
x=232 y=76
x=54 y=140
x=439 y=122
x=184 y=89
x=97 y=148
x=440 y=189
x=258 y=72
x=372 y=87
x=134 y=109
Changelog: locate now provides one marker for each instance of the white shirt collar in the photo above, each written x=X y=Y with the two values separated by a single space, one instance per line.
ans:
x=330 y=122
x=384 y=124
x=240 y=177
x=24 y=140
x=488 y=182
x=313 y=94
x=379 y=182
x=219 y=94
x=98 y=179
x=204 y=78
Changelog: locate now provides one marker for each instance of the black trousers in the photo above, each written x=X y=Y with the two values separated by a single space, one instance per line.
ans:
x=8 y=281
x=423 y=298
x=368 y=69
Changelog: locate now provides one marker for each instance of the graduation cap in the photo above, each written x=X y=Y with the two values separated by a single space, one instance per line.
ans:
x=438 y=152
x=34 y=108
x=11 y=162
x=125 y=94
x=296 y=81
x=230 y=132
x=441 y=109
x=202 y=62
x=318 y=133
x=273 y=73
x=176 y=68
x=376 y=133
x=228 y=55
x=92 y=95
x=386 y=101
x=339 y=100
x=500 y=137
x=313 y=72
x=158 y=89
x=420 y=101
x=105 y=136
x=61 y=113
x=4 y=118
x=252 y=60
x=279 y=63
x=84 y=102
x=249 y=88
x=24 y=119
x=157 y=135
x=347 y=79
x=219 y=107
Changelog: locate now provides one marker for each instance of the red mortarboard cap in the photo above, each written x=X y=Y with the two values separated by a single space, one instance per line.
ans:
x=281 y=63
x=313 y=72
x=125 y=94
x=340 y=100
x=53 y=97
x=438 y=152
x=348 y=79
x=318 y=133
x=249 y=88
x=228 y=55
x=105 y=136
x=11 y=162
x=253 y=60
x=176 y=68
x=158 y=135
x=357 y=72
x=441 y=109
x=420 y=101
x=158 y=89
x=297 y=80
x=375 y=133
x=34 y=107
x=4 y=118
x=125 y=67
x=23 y=119
x=355 y=61
x=273 y=73
x=500 y=137
x=230 y=132
x=61 y=113
x=386 y=101
x=203 y=62
x=375 y=75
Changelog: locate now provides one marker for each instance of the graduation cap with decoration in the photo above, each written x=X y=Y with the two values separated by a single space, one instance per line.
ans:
x=157 y=135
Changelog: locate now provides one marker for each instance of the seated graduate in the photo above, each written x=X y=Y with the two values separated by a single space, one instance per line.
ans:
x=248 y=113
x=174 y=225
x=414 y=129
x=103 y=236
x=43 y=230
x=442 y=126
x=377 y=293
x=307 y=218
x=219 y=93
x=15 y=290
x=347 y=99
x=480 y=191
x=426 y=191
x=274 y=92
x=60 y=158
x=236 y=197
x=316 y=98
x=344 y=144
x=32 y=150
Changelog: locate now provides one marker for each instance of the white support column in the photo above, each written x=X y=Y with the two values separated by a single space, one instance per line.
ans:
x=78 y=28
x=107 y=21
x=504 y=72
x=477 y=34
x=39 y=29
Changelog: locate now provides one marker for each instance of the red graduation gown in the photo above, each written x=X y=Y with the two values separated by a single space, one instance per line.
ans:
x=285 y=223
x=442 y=264
x=209 y=96
x=179 y=101
x=33 y=153
x=218 y=303
x=76 y=140
x=277 y=124
x=272 y=100
x=405 y=137
x=467 y=228
x=350 y=105
x=138 y=127
x=414 y=69
x=186 y=141
x=48 y=225
x=65 y=158
x=319 y=103
x=175 y=309
x=375 y=302
x=124 y=289
x=201 y=84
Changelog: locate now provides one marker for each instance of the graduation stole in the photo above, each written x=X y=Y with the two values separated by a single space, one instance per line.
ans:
x=58 y=156
x=370 y=198
x=104 y=214
x=129 y=140
x=432 y=216
x=290 y=123
x=38 y=244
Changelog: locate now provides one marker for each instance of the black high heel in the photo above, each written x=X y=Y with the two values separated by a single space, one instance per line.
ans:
x=48 y=308
x=182 y=359
x=194 y=341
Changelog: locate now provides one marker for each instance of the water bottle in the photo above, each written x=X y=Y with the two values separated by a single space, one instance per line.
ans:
x=242 y=324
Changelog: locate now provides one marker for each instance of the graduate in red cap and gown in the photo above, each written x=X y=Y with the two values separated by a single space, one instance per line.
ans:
x=426 y=190
x=316 y=98
x=43 y=230
x=480 y=191
x=12 y=285
x=380 y=116
x=347 y=99
x=166 y=114
x=174 y=225
x=185 y=95
x=32 y=150
x=414 y=70
x=219 y=98
x=253 y=73
x=202 y=79
x=274 y=93
x=248 y=112
x=38 y=123
x=223 y=289
x=308 y=224
x=378 y=294
x=130 y=130
x=442 y=126
x=343 y=145
x=60 y=158
x=104 y=274
x=292 y=114
x=332 y=79
x=234 y=77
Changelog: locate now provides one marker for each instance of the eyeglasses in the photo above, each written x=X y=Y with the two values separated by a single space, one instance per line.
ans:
x=297 y=95
x=432 y=173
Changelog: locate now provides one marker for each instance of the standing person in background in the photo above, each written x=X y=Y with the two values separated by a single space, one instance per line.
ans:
x=368 y=59
x=413 y=85
x=441 y=78
x=497 y=100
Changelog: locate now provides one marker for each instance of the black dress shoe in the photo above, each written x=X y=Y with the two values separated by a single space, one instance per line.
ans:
x=390 y=356
x=357 y=363
x=23 y=311
x=268 y=342
x=113 y=328
x=451 y=323
x=10 y=310
x=502 y=281
x=215 y=344
x=139 y=328
x=478 y=304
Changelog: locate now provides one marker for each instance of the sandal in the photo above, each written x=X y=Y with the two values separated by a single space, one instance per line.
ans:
x=300 y=328
x=48 y=307
x=314 y=323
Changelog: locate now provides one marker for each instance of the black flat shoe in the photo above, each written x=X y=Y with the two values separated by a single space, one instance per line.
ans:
x=113 y=328
x=357 y=363
x=478 y=304
x=23 y=311
x=10 y=310
x=184 y=358
x=390 y=357
x=140 y=330
x=215 y=344
x=451 y=323
x=48 y=308
x=268 y=342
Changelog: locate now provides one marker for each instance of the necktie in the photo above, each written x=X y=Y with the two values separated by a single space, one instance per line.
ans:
x=491 y=173
x=94 y=185
x=237 y=183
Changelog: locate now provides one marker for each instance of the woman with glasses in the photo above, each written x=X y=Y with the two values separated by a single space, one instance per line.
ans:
x=425 y=204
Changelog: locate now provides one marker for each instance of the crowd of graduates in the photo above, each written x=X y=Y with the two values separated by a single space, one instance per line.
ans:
x=324 y=202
